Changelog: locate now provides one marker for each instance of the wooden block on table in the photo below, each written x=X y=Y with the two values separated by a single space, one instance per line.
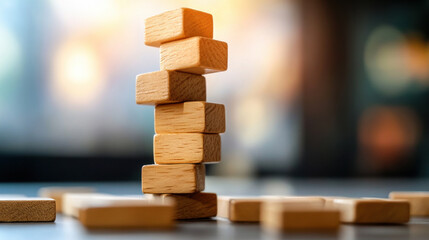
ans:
x=419 y=202
x=27 y=209
x=177 y=24
x=373 y=211
x=186 y=148
x=73 y=201
x=127 y=213
x=302 y=214
x=197 y=55
x=169 y=87
x=240 y=209
x=58 y=192
x=174 y=178
x=190 y=117
x=194 y=205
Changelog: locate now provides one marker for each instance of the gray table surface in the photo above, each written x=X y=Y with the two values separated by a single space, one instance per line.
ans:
x=69 y=228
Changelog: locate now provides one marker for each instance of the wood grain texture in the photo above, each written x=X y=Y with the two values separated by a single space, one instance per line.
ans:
x=197 y=55
x=27 y=210
x=186 y=148
x=301 y=214
x=177 y=24
x=190 y=117
x=128 y=213
x=373 y=211
x=57 y=193
x=419 y=202
x=169 y=87
x=194 y=205
x=175 y=178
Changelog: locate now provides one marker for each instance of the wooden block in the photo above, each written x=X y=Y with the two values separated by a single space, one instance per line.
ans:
x=247 y=209
x=240 y=209
x=419 y=202
x=127 y=213
x=302 y=214
x=27 y=210
x=186 y=148
x=190 y=117
x=373 y=211
x=197 y=55
x=58 y=192
x=73 y=201
x=194 y=205
x=177 y=24
x=169 y=87
x=176 y=178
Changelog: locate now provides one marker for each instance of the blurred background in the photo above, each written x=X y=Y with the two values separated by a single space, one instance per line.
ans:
x=313 y=88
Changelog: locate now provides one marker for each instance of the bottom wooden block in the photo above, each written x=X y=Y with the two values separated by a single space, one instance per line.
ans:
x=372 y=211
x=299 y=215
x=194 y=205
x=58 y=192
x=128 y=213
x=27 y=210
x=419 y=202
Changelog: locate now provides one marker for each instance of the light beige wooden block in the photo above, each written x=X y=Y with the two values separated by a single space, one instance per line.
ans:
x=247 y=209
x=194 y=205
x=190 y=117
x=169 y=87
x=197 y=55
x=58 y=192
x=177 y=24
x=240 y=209
x=174 y=178
x=186 y=148
x=127 y=213
x=73 y=201
x=373 y=211
x=419 y=202
x=27 y=209
x=298 y=214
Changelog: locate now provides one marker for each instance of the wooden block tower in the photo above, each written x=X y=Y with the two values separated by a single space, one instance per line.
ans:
x=187 y=127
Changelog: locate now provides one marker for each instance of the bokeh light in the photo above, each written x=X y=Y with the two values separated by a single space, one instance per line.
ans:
x=11 y=54
x=77 y=73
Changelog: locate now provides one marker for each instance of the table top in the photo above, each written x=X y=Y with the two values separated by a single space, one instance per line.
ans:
x=69 y=228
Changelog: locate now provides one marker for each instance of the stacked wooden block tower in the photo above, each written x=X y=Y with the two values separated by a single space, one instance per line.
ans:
x=187 y=127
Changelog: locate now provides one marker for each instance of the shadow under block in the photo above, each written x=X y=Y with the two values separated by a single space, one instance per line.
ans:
x=373 y=211
x=173 y=178
x=197 y=55
x=186 y=148
x=169 y=87
x=128 y=213
x=194 y=205
x=27 y=210
x=190 y=117
x=299 y=215
x=419 y=202
x=57 y=193
x=177 y=24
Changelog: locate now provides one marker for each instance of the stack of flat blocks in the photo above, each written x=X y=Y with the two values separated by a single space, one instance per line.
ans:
x=187 y=127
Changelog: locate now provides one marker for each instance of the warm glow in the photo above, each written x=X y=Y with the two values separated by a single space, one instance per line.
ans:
x=77 y=74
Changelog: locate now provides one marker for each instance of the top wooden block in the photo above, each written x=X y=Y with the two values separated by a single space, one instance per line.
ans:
x=177 y=24
x=419 y=201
